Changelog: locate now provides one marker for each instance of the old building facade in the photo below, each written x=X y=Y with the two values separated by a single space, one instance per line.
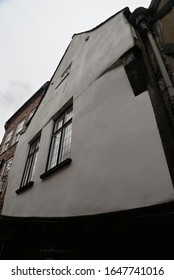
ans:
x=13 y=129
x=92 y=175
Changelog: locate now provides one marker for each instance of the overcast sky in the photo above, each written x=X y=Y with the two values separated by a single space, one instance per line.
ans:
x=33 y=37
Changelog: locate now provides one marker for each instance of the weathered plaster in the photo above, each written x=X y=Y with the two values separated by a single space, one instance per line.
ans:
x=117 y=156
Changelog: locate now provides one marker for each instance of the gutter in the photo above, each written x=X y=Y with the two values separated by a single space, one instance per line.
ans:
x=141 y=20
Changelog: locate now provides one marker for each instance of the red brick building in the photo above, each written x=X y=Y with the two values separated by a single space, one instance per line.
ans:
x=14 y=127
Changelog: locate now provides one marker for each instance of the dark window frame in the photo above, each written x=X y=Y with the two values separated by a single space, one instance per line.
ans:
x=30 y=165
x=61 y=130
x=61 y=165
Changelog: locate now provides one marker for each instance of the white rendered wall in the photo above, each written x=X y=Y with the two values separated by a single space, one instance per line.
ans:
x=117 y=157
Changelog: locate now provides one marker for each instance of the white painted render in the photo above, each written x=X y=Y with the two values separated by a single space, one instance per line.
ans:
x=118 y=160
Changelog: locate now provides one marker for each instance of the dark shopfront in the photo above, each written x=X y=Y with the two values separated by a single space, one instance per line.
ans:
x=145 y=233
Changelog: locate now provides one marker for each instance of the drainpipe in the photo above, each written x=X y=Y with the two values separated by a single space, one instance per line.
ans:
x=141 y=19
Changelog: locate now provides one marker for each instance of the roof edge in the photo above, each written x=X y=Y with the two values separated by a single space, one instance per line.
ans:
x=125 y=10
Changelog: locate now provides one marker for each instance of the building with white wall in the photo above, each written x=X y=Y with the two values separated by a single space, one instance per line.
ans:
x=93 y=171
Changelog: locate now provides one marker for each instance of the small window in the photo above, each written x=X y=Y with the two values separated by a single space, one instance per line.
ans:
x=7 y=167
x=7 y=141
x=64 y=75
x=61 y=140
x=18 y=131
x=3 y=177
x=30 y=163
x=66 y=72
x=31 y=114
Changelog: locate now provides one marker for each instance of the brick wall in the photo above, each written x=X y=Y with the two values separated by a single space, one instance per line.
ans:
x=12 y=123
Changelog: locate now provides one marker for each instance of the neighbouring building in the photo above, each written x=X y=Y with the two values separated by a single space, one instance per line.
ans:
x=14 y=127
x=92 y=176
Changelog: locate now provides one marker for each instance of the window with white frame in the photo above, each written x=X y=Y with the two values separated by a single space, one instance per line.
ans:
x=31 y=114
x=7 y=141
x=18 y=131
x=60 y=148
x=3 y=177
x=7 y=166
x=30 y=163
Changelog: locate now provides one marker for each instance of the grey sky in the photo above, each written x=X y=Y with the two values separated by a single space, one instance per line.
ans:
x=34 y=35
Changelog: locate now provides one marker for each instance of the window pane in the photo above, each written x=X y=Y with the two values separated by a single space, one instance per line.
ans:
x=34 y=146
x=7 y=167
x=26 y=172
x=66 y=143
x=31 y=163
x=61 y=139
x=6 y=146
x=54 y=150
x=20 y=126
x=7 y=141
x=31 y=113
x=37 y=143
x=18 y=131
x=68 y=115
x=32 y=167
x=9 y=136
x=58 y=124
x=17 y=137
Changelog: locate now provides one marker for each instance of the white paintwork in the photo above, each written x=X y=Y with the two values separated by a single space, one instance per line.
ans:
x=117 y=157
